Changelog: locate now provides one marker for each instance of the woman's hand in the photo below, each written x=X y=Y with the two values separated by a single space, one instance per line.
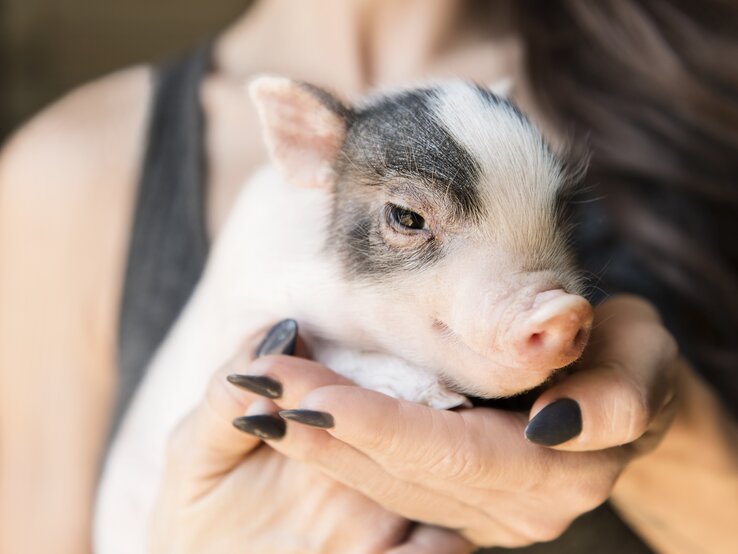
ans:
x=224 y=491
x=473 y=470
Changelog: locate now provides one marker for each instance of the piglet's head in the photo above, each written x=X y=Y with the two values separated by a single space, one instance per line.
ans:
x=446 y=227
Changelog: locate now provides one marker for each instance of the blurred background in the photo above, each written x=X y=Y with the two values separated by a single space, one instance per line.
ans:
x=89 y=38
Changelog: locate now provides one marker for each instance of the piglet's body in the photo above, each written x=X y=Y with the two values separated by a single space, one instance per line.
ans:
x=416 y=240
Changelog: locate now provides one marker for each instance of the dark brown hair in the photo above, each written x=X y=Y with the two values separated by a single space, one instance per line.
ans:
x=652 y=87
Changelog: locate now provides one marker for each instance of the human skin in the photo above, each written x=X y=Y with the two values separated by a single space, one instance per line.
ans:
x=67 y=186
x=224 y=489
x=471 y=470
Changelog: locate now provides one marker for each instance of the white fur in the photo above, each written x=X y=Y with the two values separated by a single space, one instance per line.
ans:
x=270 y=262
x=520 y=175
x=266 y=265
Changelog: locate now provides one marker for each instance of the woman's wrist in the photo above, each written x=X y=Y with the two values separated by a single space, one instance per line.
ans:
x=683 y=496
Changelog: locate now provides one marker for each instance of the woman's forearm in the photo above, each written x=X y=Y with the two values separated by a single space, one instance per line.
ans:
x=682 y=498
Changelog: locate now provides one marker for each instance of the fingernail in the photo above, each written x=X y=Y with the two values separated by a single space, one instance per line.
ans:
x=258 y=384
x=556 y=423
x=265 y=427
x=279 y=340
x=313 y=418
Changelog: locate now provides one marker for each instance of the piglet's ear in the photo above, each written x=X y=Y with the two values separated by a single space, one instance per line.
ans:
x=304 y=128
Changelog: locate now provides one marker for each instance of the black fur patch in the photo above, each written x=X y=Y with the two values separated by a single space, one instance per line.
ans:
x=400 y=136
x=397 y=137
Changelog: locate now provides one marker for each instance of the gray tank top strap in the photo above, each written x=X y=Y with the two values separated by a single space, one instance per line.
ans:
x=168 y=245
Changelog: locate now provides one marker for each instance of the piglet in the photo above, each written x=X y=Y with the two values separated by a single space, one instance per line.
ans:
x=416 y=237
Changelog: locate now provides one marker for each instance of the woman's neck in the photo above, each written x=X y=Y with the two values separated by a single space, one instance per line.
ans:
x=347 y=44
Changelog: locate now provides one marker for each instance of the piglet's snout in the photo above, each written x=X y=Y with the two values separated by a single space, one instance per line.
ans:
x=554 y=332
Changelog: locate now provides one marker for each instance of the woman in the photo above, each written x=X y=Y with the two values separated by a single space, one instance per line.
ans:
x=651 y=87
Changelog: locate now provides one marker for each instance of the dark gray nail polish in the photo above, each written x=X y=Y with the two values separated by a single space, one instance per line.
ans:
x=556 y=423
x=279 y=340
x=313 y=418
x=265 y=427
x=258 y=384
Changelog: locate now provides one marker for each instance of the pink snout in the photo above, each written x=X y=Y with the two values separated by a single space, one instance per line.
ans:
x=555 y=331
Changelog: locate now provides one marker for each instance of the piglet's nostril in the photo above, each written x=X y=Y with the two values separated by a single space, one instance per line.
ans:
x=537 y=340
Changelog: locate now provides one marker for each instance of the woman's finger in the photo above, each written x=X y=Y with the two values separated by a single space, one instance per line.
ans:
x=419 y=443
x=285 y=379
x=210 y=440
x=358 y=471
x=380 y=425
x=391 y=471
x=625 y=380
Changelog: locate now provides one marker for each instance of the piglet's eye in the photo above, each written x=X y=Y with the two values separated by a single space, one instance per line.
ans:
x=403 y=219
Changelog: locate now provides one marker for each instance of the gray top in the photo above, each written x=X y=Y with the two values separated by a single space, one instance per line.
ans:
x=169 y=247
